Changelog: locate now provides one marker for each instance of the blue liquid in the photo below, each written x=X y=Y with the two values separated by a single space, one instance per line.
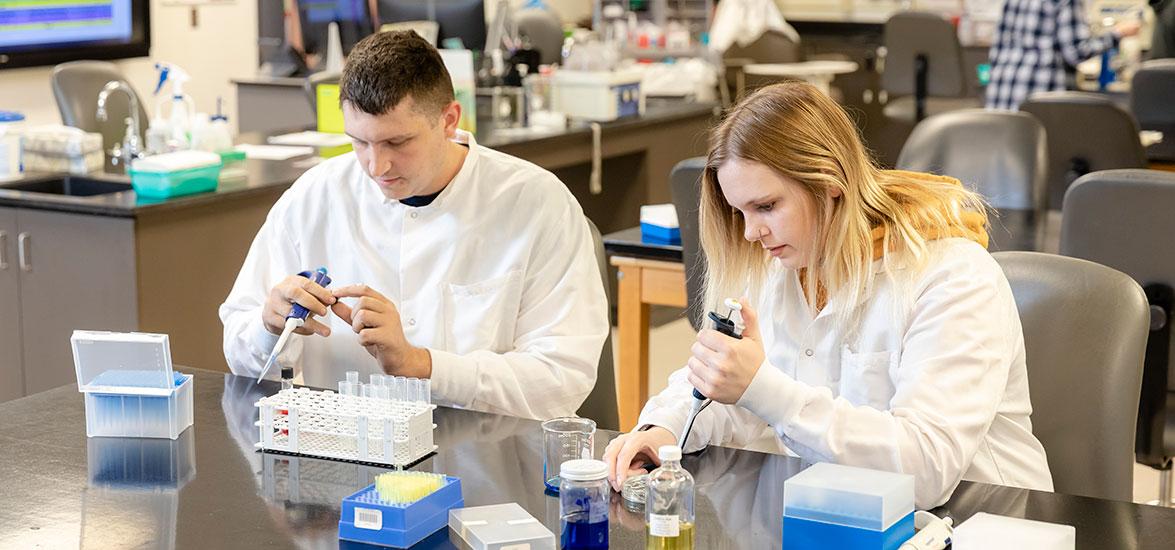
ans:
x=581 y=535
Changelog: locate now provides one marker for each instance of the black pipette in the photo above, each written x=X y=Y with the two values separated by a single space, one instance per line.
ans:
x=725 y=325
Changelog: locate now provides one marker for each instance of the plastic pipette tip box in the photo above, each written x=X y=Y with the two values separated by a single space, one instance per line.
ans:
x=365 y=518
x=498 y=527
x=834 y=506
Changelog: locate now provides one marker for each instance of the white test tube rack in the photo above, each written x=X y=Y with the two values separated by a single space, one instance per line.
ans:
x=379 y=427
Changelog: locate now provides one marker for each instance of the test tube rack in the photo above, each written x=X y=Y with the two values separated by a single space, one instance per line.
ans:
x=373 y=428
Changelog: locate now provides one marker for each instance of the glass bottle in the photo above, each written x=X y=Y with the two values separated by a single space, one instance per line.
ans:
x=669 y=505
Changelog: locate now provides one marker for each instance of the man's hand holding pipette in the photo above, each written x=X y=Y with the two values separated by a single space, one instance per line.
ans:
x=297 y=289
x=722 y=367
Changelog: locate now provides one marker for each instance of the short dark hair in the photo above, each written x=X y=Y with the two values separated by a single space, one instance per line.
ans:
x=386 y=67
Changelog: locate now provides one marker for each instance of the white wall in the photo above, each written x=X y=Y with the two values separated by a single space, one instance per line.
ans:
x=222 y=45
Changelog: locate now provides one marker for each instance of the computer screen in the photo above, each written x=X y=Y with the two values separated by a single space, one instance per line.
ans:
x=47 y=32
x=352 y=16
x=464 y=19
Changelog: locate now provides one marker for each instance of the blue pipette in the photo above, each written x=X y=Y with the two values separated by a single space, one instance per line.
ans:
x=295 y=319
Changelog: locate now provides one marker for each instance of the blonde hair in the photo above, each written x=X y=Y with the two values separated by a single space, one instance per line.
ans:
x=800 y=133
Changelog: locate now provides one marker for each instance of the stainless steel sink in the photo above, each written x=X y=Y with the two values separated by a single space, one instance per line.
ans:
x=68 y=186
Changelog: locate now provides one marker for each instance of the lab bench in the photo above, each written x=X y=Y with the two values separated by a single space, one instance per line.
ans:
x=211 y=489
x=117 y=261
x=637 y=153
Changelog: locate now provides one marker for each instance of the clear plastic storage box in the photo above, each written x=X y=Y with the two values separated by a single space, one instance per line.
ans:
x=834 y=506
x=130 y=389
x=498 y=527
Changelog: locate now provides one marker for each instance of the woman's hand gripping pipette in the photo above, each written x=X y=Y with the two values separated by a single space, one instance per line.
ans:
x=725 y=360
x=288 y=308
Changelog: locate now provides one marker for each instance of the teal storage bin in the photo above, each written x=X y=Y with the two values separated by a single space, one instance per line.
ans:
x=164 y=185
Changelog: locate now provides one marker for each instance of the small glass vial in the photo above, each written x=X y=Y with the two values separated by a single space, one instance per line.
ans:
x=583 y=504
x=287 y=378
x=669 y=504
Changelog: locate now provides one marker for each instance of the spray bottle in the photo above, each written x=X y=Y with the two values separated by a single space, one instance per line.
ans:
x=183 y=109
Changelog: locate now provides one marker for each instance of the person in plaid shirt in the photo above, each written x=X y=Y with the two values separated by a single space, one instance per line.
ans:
x=1037 y=42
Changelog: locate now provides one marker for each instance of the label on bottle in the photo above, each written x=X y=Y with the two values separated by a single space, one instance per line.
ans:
x=663 y=525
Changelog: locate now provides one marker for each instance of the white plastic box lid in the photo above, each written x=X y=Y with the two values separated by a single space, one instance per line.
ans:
x=849 y=496
x=661 y=215
x=128 y=363
x=985 y=530
x=483 y=527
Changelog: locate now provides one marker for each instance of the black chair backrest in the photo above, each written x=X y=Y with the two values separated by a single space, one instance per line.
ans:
x=1152 y=96
x=1123 y=219
x=1085 y=331
x=1086 y=133
x=685 y=188
x=912 y=35
x=1003 y=154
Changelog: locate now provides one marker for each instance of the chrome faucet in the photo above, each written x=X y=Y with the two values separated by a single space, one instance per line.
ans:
x=130 y=142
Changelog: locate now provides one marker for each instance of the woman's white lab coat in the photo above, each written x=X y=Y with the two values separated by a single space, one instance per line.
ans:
x=497 y=277
x=933 y=385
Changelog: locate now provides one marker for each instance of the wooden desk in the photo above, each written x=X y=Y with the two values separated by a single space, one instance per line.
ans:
x=642 y=283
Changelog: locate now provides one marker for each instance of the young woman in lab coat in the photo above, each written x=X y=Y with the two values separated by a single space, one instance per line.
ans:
x=879 y=331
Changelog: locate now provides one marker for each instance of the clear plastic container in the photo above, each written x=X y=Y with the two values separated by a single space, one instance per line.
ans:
x=130 y=389
x=10 y=129
x=61 y=149
x=584 y=494
x=498 y=527
x=843 y=506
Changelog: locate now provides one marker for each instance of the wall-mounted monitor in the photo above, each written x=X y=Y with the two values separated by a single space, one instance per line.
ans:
x=47 y=32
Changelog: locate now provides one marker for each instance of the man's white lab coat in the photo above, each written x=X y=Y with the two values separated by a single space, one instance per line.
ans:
x=497 y=277
x=933 y=384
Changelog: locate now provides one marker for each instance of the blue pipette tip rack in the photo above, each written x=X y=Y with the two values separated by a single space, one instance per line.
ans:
x=365 y=518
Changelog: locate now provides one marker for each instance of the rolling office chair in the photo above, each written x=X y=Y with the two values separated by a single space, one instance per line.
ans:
x=600 y=404
x=923 y=73
x=1151 y=91
x=1001 y=155
x=310 y=86
x=1086 y=133
x=542 y=28
x=1122 y=219
x=76 y=85
x=1085 y=334
x=685 y=190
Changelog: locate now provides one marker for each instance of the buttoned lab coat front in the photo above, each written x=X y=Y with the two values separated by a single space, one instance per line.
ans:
x=497 y=277
x=931 y=381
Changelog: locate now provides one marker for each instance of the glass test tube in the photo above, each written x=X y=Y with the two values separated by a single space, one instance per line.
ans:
x=353 y=377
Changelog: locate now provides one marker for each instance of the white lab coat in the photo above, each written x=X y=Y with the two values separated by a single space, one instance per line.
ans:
x=933 y=385
x=498 y=278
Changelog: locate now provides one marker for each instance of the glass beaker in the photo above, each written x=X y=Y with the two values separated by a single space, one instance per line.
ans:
x=565 y=438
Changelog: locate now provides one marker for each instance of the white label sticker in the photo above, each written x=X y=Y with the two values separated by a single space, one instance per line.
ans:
x=663 y=526
x=521 y=521
x=366 y=518
x=523 y=546
x=476 y=523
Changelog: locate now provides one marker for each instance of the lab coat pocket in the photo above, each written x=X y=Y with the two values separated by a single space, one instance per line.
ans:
x=482 y=315
x=865 y=378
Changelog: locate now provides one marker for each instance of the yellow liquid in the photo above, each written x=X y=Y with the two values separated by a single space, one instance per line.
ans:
x=683 y=541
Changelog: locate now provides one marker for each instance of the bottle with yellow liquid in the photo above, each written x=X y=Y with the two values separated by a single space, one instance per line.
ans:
x=669 y=504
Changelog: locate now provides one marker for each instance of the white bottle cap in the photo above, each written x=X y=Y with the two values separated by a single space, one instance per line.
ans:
x=583 y=469
x=669 y=452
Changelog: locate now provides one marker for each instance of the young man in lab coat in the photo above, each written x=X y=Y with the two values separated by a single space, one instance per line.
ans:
x=449 y=261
